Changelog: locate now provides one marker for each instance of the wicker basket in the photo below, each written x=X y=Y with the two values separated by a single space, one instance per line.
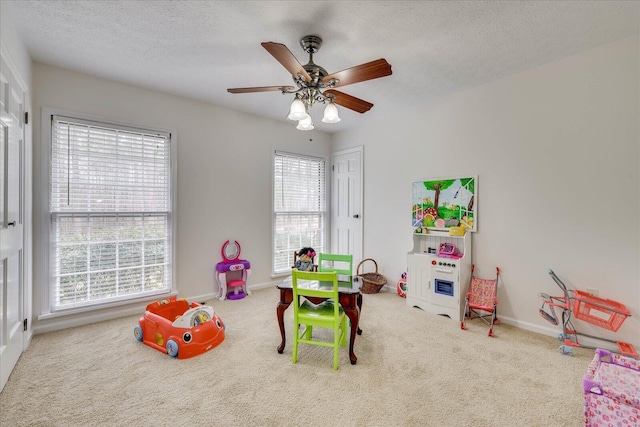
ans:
x=371 y=282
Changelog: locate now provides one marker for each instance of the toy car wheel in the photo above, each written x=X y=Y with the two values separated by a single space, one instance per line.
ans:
x=172 y=348
x=137 y=332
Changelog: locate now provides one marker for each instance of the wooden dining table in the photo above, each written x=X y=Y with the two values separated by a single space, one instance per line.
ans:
x=348 y=294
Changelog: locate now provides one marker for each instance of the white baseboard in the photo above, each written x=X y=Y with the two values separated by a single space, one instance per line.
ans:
x=65 y=322
x=252 y=287
x=544 y=330
x=86 y=318
x=81 y=319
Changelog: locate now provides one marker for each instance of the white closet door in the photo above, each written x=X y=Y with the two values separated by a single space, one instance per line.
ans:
x=346 y=203
x=12 y=162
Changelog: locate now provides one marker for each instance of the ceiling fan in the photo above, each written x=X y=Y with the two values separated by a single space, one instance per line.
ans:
x=313 y=83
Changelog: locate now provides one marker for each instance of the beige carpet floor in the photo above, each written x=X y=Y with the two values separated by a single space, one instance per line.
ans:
x=414 y=369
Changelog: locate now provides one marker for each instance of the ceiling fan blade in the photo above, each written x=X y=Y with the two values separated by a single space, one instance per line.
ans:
x=286 y=58
x=350 y=102
x=259 y=89
x=360 y=73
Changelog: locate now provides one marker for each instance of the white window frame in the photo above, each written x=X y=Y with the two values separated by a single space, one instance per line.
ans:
x=47 y=309
x=318 y=242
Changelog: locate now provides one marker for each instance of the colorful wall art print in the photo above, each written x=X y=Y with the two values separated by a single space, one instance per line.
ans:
x=442 y=203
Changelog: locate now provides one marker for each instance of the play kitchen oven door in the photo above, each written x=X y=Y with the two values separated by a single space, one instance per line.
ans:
x=445 y=283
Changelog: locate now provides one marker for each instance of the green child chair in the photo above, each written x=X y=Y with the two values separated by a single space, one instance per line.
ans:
x=341 y=264
x=327 y=314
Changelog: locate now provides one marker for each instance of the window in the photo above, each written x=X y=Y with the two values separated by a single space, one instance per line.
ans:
x=299 y=207
x=110 y=206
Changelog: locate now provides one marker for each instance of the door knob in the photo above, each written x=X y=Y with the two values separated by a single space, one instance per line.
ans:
x=11 y=224
x=356 y=216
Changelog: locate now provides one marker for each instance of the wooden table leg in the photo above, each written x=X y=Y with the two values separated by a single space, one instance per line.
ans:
x=359 y=302
x=354 y=315
x=352 y=305
x=286 y=296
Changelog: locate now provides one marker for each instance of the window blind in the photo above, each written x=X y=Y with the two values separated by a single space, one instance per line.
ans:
x=299 y=207
x=110 y=203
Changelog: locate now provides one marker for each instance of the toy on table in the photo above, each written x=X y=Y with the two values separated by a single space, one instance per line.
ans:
x=179 y=329
x=232 y=273
x=305 y=259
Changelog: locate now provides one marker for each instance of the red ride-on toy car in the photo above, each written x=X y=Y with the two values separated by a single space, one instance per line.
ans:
x=180 y=329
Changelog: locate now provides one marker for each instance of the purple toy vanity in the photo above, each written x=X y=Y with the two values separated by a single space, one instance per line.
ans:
x=232 y=272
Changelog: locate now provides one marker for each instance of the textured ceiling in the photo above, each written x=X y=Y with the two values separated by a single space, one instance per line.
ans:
x=198 y=49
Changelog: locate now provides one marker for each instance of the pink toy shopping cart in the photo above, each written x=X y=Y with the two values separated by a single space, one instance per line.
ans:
x=605 y=313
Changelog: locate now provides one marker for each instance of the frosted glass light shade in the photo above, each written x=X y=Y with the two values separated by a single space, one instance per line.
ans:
x=297 y=111
x=331 y=114
x=305 y=124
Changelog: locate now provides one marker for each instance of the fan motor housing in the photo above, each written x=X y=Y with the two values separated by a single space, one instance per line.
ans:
x=311 y=44
x=315 y=71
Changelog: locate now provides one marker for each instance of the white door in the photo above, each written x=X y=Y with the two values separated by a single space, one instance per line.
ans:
x=12 y=160
x=346 y=203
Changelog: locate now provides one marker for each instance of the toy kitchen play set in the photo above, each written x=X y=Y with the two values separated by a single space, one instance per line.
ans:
x=439 y=265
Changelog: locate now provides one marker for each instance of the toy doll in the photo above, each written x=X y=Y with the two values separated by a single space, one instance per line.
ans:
x=305 y=259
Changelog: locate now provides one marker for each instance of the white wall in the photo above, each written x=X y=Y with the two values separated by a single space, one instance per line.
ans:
x=12 y=43
x=556 y=150
x=224 y=170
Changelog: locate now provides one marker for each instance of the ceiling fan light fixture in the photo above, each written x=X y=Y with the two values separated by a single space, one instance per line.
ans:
x=297 y=111
x=305 y=124
x=314 y=85
x=331 y=113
